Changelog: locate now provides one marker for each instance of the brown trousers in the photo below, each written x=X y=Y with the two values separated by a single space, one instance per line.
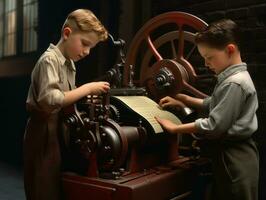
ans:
x=42 y=159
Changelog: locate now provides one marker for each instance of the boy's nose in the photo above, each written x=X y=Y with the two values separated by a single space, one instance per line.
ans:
x=86 y=51
x=207 y=64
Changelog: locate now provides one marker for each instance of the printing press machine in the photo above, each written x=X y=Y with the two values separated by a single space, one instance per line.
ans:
x=113 y=152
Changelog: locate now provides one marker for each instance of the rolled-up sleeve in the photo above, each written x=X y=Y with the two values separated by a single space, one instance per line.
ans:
x=49 y=95
x=224 y=113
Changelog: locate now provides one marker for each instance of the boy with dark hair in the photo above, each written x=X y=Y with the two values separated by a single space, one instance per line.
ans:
x=231 y=117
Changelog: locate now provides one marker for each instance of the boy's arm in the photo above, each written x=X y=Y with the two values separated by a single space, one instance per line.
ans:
x=173 y=128
x=190 y=101
x=87 y=89
x=182 y=101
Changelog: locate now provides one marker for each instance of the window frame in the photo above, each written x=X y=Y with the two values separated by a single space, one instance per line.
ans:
x=19 y=40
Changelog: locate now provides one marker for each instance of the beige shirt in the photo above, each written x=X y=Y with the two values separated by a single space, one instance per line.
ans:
x=52 y=75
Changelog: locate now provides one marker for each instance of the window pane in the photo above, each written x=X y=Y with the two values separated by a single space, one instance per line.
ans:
x=10 y=45
x=11 y=25
x=30 y=20
x=1 y=27
x=10 y=22
x=10 y=5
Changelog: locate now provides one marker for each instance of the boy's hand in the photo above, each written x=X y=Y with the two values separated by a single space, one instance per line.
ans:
x=167 y=125
x=96 y=88
x=171 y=102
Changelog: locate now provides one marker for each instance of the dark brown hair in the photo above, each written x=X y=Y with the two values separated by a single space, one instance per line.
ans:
x=219 y=34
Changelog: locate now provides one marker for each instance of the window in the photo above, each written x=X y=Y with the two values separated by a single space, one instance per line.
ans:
x=10 y=27
x=1 y=28
x=18 y=38
x=30 y=21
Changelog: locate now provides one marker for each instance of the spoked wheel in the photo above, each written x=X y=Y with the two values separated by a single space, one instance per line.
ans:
x=163 y=53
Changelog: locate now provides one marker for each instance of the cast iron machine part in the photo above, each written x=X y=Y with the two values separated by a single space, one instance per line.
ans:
x=122 y=163
x=166 y=62
x=114 y=75
x=171 y=72
x=97 y=140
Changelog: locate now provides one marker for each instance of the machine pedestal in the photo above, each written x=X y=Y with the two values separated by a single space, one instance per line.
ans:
x=159 y=183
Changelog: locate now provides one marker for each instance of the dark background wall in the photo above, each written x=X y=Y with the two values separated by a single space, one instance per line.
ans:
x=123 y=18
x=251 y=16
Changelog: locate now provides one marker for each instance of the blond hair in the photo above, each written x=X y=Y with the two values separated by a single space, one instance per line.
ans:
x=85 y=20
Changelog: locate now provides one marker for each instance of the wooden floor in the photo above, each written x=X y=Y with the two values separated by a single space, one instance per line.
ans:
x=11 y=182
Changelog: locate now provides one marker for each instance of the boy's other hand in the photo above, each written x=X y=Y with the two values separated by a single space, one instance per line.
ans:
x=167 y=125
x=96 y=88
x=171 y=102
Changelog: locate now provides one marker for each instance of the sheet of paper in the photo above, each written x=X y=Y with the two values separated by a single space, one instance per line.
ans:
x=148 y=109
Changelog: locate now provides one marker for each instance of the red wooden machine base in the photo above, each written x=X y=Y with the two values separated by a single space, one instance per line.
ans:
x=161 y=183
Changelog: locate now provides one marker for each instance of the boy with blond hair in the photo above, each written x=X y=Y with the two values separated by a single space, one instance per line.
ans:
x=53 y=88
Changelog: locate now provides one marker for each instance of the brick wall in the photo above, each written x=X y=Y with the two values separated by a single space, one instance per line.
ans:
x=250 y=15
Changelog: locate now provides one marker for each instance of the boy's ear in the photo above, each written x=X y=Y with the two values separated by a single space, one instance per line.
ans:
x=66 y=32
x=231 y=48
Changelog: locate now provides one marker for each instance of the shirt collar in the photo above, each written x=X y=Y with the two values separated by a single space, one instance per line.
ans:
x=70 y=64
x=61 y=57
x=231 y=70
